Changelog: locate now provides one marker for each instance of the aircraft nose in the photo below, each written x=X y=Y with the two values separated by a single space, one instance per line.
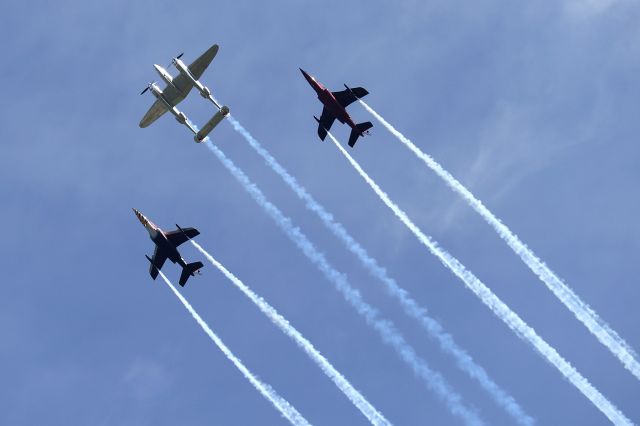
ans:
x=139 y=216
x=306 y=76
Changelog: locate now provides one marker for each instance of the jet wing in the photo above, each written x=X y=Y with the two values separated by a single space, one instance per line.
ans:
x=178 y=237
x=325 y=123
x=347 y=97
x=156 y=262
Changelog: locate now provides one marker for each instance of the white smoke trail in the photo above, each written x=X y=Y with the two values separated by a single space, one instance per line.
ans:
x=498 y=307
x=411 y=307
x=385 y=328
x=582 y=311
x=375 y=417
x=287 y=410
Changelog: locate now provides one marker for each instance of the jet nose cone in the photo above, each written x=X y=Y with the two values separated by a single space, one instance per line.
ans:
x=139 y=215
x=307 y=77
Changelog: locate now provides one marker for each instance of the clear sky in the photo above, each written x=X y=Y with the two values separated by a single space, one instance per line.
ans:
x=533 y=106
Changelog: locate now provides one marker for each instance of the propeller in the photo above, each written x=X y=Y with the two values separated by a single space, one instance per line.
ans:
x=172 y=61
x=147 y=88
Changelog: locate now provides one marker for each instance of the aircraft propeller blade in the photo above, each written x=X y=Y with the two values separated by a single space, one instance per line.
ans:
x=177 y=57
x=145 y=89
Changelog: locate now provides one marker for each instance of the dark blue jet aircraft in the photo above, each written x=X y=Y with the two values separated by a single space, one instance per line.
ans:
x=166 y=248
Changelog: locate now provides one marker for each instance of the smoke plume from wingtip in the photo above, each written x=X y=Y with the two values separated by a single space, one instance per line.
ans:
x=365 y=407
x=386 y=329
x=582 y=311
x=463 y=360
x=285 y=408
x=499 y=308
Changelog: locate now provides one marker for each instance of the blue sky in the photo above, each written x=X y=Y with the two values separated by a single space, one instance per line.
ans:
x=532 y=106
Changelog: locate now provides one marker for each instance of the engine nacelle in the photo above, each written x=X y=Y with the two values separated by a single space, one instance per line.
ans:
x=205 y=92
x=164 y=74
x=155 y=90
x=181 y=117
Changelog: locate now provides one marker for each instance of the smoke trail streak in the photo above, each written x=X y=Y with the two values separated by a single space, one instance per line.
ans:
x=498 y=307
x=411 y=307
x=582 y=311
x=287 y=410
x=375 y=417
x=385 y=328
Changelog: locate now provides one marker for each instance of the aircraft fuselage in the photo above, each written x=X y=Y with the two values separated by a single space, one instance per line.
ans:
x=163 y=243
x=329 y=101
x=160 y=240
x=157 y=92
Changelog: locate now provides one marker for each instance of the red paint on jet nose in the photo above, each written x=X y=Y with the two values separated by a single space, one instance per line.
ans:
x=306 y=76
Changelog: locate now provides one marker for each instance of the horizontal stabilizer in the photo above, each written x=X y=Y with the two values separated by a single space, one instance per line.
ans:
x=358 y=131
x=188 y=271
x=215 y=120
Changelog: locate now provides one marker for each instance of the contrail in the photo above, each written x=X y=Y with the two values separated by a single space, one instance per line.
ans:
x=582 y=311
x=343 y=384
x=385 y=328
x=498 y=307
x=287 y=410
x=463 y=360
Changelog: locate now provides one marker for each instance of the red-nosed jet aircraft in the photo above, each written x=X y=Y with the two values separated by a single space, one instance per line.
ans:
x=166 y=248
x=335 y=104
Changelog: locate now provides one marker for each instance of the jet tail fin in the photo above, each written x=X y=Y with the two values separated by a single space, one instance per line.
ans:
x=359 y=130
x=188 y=271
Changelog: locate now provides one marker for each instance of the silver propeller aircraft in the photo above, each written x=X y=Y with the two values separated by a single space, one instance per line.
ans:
x=178 y=88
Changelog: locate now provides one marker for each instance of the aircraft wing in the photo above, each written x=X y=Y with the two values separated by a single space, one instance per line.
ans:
x=156 y=263
x=347 y=97
x=178 y=237
x=172 y=96
x=183 y=84
x=157 y=109
x=196 y=69
x=199 y=65
x=325 y=123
